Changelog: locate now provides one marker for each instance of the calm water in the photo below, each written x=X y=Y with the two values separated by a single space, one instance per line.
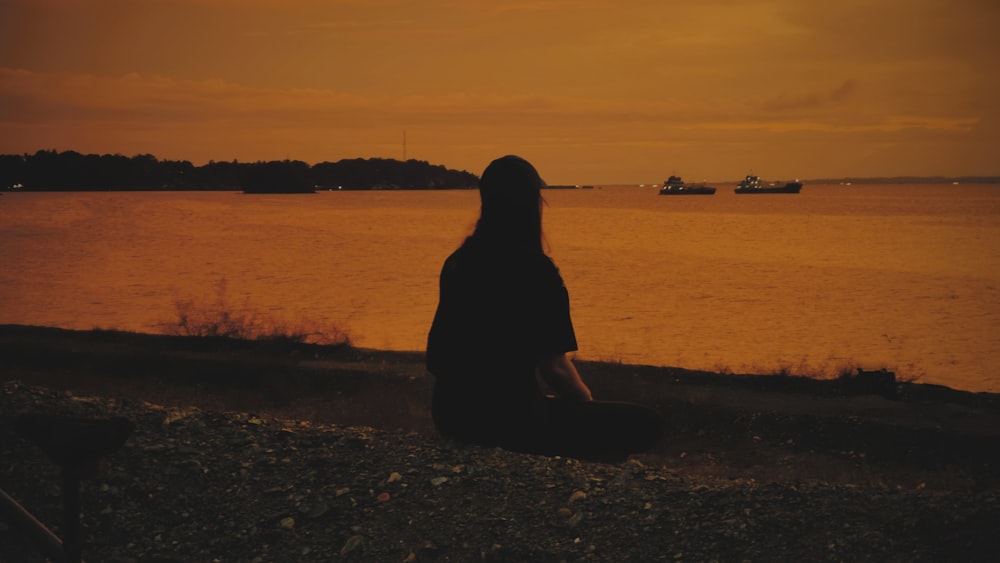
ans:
x=904 y=277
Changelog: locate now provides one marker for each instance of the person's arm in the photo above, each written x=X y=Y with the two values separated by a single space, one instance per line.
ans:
x=560 y=375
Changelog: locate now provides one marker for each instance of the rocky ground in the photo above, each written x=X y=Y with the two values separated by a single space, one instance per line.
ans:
x=328 y=456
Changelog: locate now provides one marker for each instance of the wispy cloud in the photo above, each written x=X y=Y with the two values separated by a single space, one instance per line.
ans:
x=784 y=102
x=34 y=97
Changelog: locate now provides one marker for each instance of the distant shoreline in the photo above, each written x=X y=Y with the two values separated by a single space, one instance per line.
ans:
x=73 y=171
x=930 y=181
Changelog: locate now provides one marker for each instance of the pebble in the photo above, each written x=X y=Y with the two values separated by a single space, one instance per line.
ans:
x=351 y=544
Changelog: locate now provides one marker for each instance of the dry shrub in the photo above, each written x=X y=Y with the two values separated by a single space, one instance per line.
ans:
x=219 y=318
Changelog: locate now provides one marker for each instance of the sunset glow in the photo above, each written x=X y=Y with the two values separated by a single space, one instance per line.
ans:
x=590 y=91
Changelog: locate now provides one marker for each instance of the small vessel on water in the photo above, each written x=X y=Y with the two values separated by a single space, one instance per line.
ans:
x=753 y=185
x=675 y=186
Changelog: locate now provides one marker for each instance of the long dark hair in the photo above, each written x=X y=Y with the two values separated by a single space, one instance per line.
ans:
x=510 y=216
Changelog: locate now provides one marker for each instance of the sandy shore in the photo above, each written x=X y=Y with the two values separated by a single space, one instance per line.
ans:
x=280 y=452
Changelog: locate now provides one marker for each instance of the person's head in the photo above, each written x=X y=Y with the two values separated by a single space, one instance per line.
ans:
x=510 y=192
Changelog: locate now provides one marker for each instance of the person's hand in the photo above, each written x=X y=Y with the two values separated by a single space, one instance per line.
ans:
x=560 y=375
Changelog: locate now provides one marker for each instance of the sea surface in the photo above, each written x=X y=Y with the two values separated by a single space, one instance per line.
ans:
x=905 y=277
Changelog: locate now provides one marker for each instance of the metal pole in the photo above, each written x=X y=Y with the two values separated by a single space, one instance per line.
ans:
x=72 y=535
x=41 y=537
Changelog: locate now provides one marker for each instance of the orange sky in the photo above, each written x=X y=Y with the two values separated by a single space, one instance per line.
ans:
x=591 y=91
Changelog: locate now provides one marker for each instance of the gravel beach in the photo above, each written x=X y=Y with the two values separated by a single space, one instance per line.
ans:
x=732 y=482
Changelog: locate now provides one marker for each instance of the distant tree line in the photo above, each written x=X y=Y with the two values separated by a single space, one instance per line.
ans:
x=48 y=170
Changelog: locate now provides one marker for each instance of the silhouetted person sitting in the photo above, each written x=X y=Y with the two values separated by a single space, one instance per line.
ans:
x=497 y=347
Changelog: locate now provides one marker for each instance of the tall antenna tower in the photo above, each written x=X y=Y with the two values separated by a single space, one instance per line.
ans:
x=404 y=145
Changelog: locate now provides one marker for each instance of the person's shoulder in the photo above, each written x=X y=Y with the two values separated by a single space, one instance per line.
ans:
x=454 y=258
x=452 y=264
x=548 y=269
x=462 y=258
x=546 y=262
